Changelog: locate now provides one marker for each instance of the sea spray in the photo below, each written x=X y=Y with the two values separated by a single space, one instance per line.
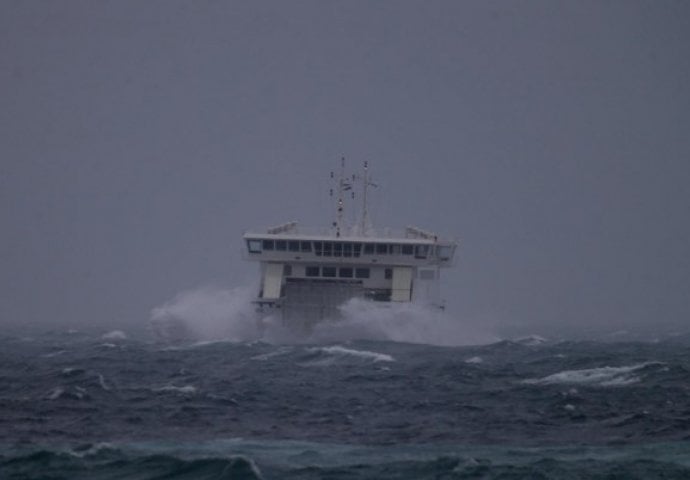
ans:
x=211 y=313
x=400 y=322
x=206 y=313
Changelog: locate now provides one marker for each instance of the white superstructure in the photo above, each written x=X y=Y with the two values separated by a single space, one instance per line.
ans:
x=307 y=273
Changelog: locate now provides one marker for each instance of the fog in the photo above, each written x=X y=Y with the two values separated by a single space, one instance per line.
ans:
x=139 y=140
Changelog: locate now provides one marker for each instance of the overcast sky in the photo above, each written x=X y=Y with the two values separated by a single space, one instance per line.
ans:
x=139 y=139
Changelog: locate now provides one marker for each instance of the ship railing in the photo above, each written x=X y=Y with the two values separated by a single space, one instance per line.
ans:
x=409 y=233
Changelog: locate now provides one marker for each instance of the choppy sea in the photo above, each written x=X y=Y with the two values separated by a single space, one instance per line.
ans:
x=80 y=406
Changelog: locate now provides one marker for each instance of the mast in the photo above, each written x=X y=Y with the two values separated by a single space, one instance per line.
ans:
x=365 y=206
x=339 y=207
x=343 y=186
x=365 y=213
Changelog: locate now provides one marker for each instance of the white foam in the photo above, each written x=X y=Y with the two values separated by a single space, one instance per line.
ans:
x=207 y=314
x=114 y=335
x=101 y=382
x=276 y=353
x=54 y=354
x=90 y=450
x=186 y=390
x=400 y=322
x=602 y=376
x=55 y=393
x=474 y=360
x=211 y=313
x=531 y=340
x=338 y=351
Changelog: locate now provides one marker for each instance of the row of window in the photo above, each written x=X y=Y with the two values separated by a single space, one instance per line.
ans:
x=344 y=249
x=349 y=272
x=339 y=272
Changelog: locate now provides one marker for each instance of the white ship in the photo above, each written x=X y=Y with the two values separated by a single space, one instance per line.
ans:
x=308 y=273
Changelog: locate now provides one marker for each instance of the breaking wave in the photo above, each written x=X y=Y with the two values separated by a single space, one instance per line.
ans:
x=400 y=322
x=603 y=376
x=329 y=355
x=208 y=314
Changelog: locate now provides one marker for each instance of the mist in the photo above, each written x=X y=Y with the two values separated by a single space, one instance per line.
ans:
x=139 y=141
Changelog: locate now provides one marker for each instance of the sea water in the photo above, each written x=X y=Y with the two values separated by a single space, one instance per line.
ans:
x=82 y=406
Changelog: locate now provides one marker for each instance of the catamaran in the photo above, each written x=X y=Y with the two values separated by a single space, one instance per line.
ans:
x=307 y=274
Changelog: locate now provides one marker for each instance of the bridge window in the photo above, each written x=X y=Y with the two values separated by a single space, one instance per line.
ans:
x=347 y=250
x=254 y=246
x=421 y=251
x=381 y=249
x=362 y=273
x=356 y=249
x=328 y=271
x=395 y=250
x=327 y=249
x=281 y=245
x=337 y=249
x=318 y=248
x=293 y=246
x=268 y=244
x=305 y=246
x=444 y=253
x=368 y=249
x=388 y=273
x=311 y=271
x=407 y=249
x=345 y=272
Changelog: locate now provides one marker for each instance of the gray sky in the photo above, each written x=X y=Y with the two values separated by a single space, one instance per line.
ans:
x=138 y=140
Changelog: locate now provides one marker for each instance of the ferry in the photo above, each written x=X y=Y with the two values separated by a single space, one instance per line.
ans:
x=307 y=273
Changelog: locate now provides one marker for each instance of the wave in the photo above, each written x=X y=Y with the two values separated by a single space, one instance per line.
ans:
x=602 y=376
x=76 y=393
x=114 y=335
x=103 y=461
x=185 y=390
x=206 y=314
x=336 y=352
x=251 y=460
x=400 y=322
x=276 y=353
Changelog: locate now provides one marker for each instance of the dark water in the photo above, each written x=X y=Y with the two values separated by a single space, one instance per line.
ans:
x=80 y=407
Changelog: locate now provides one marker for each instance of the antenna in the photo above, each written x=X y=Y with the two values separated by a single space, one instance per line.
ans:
x=366 y=183
x=340 y=205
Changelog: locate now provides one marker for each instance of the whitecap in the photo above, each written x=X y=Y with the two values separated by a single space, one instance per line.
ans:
x=602 y=376
x=114 y=335
x=186 y=390
x=474 y=360
x=101 y=382
x=338 y=351
x=276 y=353
x=53 y=354
x=55 y=393
x=530 y=340
x=89 y=449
